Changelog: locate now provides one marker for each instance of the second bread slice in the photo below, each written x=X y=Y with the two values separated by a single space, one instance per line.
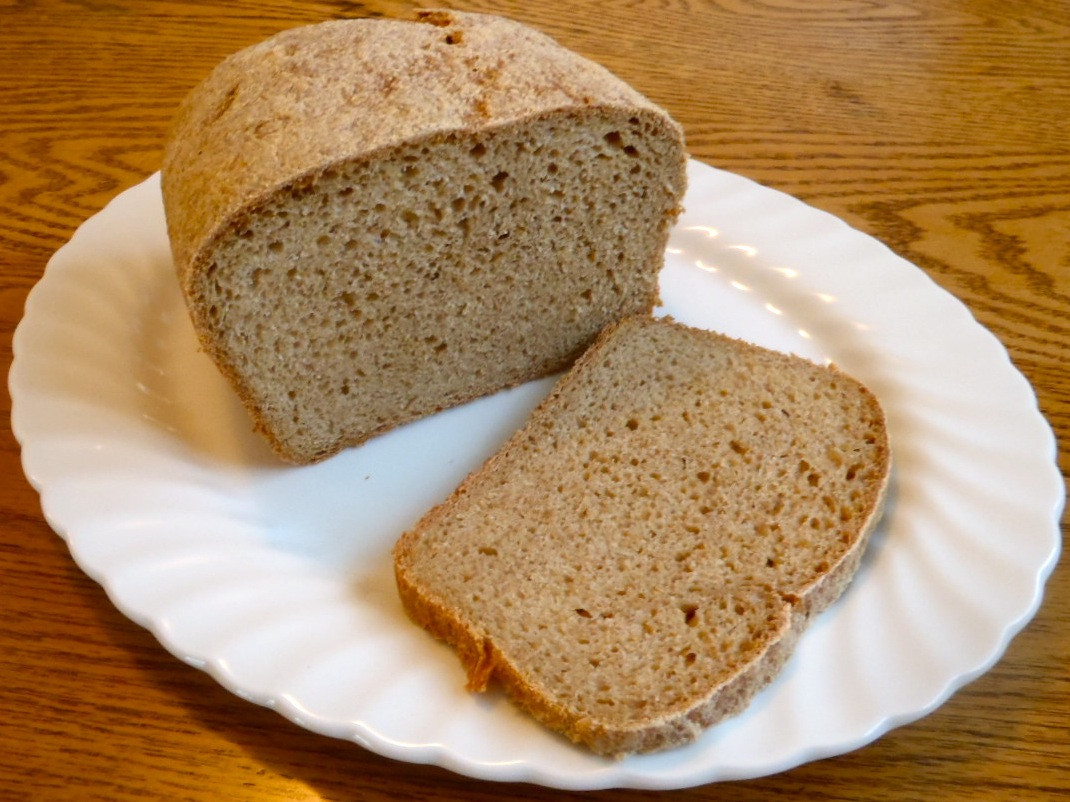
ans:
x=639 y=559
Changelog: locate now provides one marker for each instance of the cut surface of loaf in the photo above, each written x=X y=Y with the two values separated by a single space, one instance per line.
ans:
x=638 y=560
x=373 y=220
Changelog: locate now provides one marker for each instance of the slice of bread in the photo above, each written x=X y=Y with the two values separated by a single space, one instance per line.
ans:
x=637 y=561
x=373 y=220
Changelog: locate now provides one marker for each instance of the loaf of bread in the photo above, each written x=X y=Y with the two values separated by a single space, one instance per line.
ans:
x=638 y=560
x=372 y=220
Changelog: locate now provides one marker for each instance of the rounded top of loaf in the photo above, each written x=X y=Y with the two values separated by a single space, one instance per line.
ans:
x=312 y=96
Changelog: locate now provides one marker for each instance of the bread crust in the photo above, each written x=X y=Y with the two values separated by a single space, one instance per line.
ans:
x=485 y=662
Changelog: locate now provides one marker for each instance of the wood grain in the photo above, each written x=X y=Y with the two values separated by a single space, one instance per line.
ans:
x=937 y=126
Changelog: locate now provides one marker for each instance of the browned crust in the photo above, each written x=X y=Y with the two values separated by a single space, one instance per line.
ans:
x=484 y=661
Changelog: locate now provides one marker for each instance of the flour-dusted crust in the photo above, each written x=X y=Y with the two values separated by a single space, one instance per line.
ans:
x=327 y=186
x=639 y=559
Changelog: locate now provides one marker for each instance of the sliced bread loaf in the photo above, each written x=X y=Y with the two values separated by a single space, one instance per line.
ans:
x=637 y=561
x=373 y=220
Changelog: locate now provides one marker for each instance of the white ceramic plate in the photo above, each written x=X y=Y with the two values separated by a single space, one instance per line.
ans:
x=278 y=581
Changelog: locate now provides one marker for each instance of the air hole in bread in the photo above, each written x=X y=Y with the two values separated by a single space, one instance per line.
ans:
x=690 y=612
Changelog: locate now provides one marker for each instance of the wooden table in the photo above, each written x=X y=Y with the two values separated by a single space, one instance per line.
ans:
x=939 y=127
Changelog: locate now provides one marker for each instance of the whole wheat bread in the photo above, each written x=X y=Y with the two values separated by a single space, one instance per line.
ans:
x=638 y=560
x=372 y=220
